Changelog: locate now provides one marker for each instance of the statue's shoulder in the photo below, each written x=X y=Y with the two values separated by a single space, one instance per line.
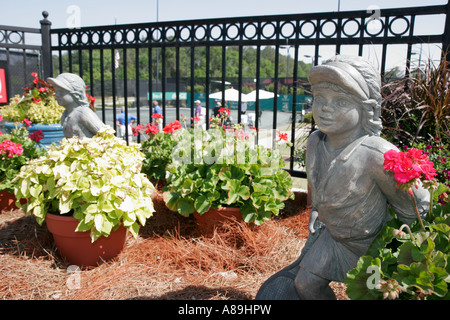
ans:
x=378 y=144
x=315 y=137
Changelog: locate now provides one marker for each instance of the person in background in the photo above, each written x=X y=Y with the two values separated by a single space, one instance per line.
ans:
x=121 y=122
x=198 y=109
x=243 y=107
x=156 y=107
x=217 y=107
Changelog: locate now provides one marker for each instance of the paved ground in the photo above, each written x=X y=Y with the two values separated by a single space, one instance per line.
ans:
x=283 y=118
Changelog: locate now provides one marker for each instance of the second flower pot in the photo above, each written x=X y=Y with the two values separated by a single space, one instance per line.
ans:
x=208 y=221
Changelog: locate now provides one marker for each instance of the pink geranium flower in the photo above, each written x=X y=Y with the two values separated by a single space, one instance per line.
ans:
x=27 y=122
x=9 y=148
x=409 y=167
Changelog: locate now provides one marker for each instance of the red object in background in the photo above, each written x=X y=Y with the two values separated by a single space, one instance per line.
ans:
x=3 y=95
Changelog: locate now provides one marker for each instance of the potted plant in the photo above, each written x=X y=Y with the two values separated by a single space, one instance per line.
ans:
x=16 y=148
x=220 y=168
x=38 y=105
x=408 y=262
x=157 y=147
x=93 y=183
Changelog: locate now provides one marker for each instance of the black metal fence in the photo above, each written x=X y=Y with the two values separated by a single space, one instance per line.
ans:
x=22 y=51
x=185 y=55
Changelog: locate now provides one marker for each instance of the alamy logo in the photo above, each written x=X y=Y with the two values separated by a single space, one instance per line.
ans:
x=374 y=23
x=74 y=19
x=373 y=281
x=73 y=282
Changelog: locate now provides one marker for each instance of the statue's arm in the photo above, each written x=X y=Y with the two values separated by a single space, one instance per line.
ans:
x=63 y=116
x=92 y=123
x=311 y=150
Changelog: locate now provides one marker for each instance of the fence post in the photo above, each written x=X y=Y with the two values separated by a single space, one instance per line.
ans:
x=47 y=70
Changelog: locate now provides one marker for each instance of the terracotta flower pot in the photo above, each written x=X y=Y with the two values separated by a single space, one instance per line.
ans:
x=77 y=248
x=7 y=201
x=207 y=222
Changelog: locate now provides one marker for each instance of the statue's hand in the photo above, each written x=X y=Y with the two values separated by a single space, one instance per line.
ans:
x=312 y=219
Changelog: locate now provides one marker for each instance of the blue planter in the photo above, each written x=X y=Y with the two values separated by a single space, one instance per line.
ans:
x=52 y=132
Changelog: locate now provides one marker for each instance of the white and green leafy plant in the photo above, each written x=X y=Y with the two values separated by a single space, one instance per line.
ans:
x=98 y=180
x=37 y=104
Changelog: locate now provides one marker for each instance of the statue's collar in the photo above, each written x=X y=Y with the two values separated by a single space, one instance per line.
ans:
x=345 y=154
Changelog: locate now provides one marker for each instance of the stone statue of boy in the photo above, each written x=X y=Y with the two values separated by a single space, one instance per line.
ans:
x=350 y=190
x=78 y=119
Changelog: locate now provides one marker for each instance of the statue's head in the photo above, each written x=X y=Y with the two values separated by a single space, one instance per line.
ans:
x=71 y=83
x=356 y=76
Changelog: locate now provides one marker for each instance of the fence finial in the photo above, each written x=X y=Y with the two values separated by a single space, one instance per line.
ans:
x=45 y=20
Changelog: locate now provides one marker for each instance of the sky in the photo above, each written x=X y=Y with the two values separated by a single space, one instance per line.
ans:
x=27 y=13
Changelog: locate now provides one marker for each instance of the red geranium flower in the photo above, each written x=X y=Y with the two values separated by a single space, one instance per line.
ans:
x=36 y=136
x=282 y=136
x=151 y=129
x=172 y=127
x=157 y=116
x=224 y=110
x=136 y=130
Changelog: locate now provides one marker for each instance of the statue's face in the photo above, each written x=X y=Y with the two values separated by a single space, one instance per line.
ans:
x=63 y=97
x=336 y=112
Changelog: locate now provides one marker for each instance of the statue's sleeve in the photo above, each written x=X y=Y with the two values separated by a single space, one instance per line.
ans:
x=92 y=122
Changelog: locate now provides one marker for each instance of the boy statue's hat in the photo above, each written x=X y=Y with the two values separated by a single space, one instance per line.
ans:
x=69 y=82
x=340 y=72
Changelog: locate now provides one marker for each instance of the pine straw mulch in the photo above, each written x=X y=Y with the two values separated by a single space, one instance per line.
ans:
x=169 y=259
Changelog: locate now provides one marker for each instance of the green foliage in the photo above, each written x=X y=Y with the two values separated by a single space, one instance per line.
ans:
x=158 y=154
x=217 y=167
x=42 y=112
x=10 y=165
x=439 y=153
x=215 y=68
x=97 y=180
x=400 y=265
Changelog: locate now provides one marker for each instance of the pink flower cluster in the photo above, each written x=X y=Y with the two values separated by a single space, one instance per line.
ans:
x=409 y=166
x=7 y=147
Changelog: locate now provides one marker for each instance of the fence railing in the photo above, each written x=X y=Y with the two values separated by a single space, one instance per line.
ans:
x=195 y=55
x=21 y=53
